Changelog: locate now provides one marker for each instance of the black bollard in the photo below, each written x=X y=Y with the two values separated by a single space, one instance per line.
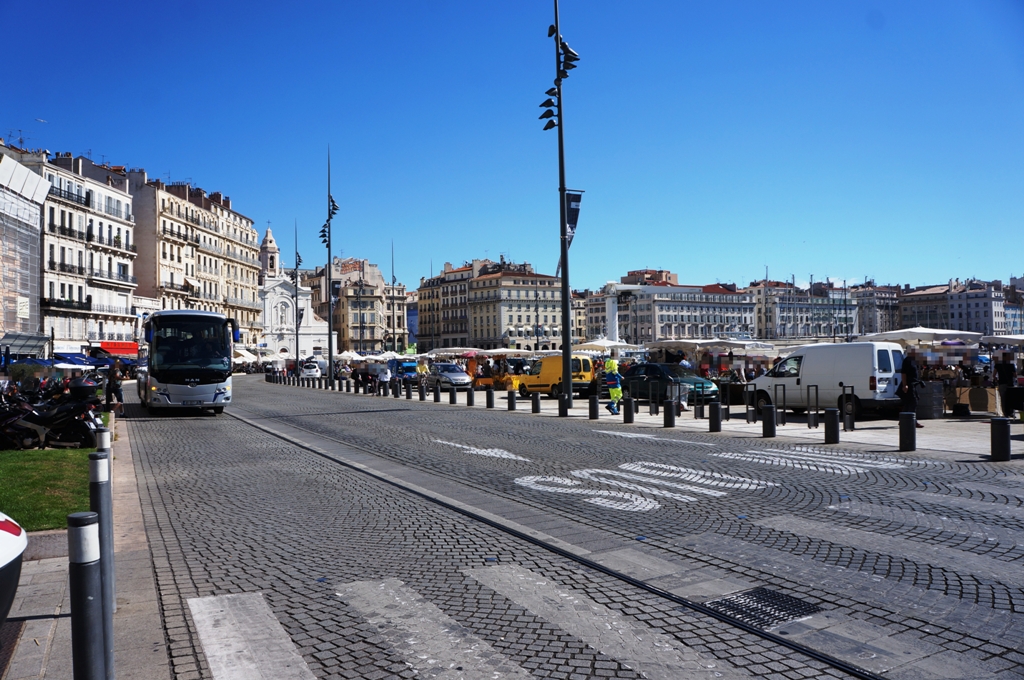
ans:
x=489 y=397
x=670 y=415
x=423 y=391
x=511 y=400
x=768 y=421
x=100 y=502
x=595 y=405
x=627 y=410
x=831 y=426
x=470 y=397
x=1000 y=439
x=535 y=402
x=348 y=385
x=563 y=405
x=714 y=417
x=437 y=392
x=385 y=389
x=908 y=431
x=396 y=389
x=408 y=390
x=85 y=586
x=453 y=396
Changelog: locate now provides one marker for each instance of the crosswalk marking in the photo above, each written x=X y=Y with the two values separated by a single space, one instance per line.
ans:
x=243 y=640
x=432 y=643
x=632 y=643
x=811 y=461
x=489 y=453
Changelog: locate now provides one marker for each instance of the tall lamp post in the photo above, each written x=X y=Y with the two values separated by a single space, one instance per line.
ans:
x=325 y=238
x=565 y=58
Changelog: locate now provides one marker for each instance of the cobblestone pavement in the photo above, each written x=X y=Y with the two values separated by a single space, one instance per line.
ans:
x=913 y=561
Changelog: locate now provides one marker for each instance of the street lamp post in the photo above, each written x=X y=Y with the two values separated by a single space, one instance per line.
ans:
x=565 y=58
x=325 y=237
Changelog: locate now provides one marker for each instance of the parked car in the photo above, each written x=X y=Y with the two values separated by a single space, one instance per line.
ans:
x=310 y=370
x=404 y=371
x=645 y=379
x=545 y=376
x=447 y=376
x=13 y=541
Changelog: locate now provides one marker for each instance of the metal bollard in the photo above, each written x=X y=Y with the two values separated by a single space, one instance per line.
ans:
x=396 y=390
x=652 y=406
x=85 y=586
x=453 y=396
x=489 y=397
x=670 y=415
x=408 y=390
x=714 y=417
x=594 y=406
x=511 y=400
x=348 y=385
x=908 y=431
x=422 y=391
x=535 y=402
x=768 y=421
x=831 y=426
x=849 y=409
x=437 y=392
x=385 y=389
x=100 y=502
x=627 y=410
x=1000 y=439
x=563 y=405
x=470 y=397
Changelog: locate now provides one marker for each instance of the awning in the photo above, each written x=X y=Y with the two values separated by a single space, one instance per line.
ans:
x=120 y=348
x=243 y=355
x=194 y=283
x=24 y=343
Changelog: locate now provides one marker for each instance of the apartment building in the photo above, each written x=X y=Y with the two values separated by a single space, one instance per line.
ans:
x=595 y=310
x=196 y=252
x=512 y=306
x=663 y=311
x=877 y=307
x=784 y=310
x=971 y=305
x=579 y=316
x=444 y=308
x=88 y=253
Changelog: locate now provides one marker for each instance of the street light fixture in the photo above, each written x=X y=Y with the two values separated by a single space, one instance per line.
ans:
x=565 y=58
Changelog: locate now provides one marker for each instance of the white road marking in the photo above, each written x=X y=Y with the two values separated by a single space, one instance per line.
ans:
x=632 y=643
x=615 y=500
x=433 y=644
x=811 y=461
x=699 y=476
x=243 y=640
x=636 y=435
x=826 y=457
x=490 y=453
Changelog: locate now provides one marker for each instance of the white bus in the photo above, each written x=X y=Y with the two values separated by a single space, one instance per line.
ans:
x=185 y=360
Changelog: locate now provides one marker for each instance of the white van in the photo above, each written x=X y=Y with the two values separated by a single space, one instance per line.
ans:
x=872 y=369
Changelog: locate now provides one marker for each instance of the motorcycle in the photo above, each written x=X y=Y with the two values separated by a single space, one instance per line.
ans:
x=65 y=420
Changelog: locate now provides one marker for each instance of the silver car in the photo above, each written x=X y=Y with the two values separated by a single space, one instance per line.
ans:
x=448 y=376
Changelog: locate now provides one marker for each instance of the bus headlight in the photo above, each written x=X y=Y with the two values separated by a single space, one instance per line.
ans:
x=223 y=390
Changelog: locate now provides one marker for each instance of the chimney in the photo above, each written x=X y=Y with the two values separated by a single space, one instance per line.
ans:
x=216 y=197
x=226 y=202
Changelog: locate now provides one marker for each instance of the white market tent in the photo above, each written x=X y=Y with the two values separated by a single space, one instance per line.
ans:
x=242 y=355
x=922 y=336
x=604 y=345
x=349 y=355
x=1014 y=340
x=710 y=343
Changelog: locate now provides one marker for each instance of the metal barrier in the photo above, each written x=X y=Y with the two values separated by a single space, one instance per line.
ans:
x=750 y=402
x=849 y=409
x=780 y=406
x=813 y=416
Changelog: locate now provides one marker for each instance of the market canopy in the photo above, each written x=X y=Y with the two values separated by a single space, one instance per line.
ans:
x=922 y=336
x=349 y=355
x=1017 y=340
x=24 y=343
x=710 y=343
x=604 y=345
x=242 y=355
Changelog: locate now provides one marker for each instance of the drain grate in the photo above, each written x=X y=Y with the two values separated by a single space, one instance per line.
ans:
x=763 y=608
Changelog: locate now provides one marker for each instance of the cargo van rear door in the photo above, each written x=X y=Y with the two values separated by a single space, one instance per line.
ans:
x=886 y=374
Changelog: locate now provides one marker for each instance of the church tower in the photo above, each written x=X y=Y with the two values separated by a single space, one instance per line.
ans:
x=270 y=258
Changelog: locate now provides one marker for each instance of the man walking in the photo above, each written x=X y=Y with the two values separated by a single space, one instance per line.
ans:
x=1006 y=377
x=908 y=384
x=613 y=381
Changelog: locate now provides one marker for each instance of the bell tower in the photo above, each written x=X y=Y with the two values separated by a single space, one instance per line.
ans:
x=270 y=258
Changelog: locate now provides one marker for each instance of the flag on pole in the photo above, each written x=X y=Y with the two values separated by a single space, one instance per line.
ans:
x=572 y=216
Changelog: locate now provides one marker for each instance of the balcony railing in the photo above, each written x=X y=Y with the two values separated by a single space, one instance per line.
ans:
x=112 y=309
x=175 y=286
x=68 y=196
x=113 y=242
x=66 y=268
x=241 y=302
x=209 y=246
x=107 y=335
x=110 y=275
x=67 y=231
x=58 y=303
x=167 y=231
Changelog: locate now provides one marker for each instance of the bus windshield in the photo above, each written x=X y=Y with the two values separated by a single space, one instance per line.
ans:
x=194 y=343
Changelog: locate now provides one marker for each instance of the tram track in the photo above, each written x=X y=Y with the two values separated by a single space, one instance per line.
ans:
x=548 y=546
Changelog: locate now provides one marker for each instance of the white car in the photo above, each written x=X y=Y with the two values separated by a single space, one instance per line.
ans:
x=310 y=371
x=447 y=376
x=13 y=541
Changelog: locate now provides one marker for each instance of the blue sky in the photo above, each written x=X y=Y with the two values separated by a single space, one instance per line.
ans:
x=837 y=139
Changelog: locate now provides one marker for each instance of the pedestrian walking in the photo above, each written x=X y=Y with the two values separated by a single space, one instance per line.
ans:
x=910 y=379
x=1006 y=377
x=114 y=392
x=613 y=380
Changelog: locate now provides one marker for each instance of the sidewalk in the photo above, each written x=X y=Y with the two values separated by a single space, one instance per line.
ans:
x=42 y=604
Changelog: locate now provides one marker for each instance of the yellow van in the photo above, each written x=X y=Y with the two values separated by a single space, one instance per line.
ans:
x=545 y=376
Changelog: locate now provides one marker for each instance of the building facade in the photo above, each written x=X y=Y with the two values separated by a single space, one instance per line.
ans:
x=595 y=307
x=444 y=306
x=196 y=252
x=783 y=310
x=22 y=195
x=877 y=308
x=290 y=326
x=512 y=306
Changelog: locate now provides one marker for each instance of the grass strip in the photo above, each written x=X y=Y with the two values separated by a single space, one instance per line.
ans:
x=39 y=488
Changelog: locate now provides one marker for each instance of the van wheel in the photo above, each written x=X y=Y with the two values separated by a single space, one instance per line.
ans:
x=847 y=405
x=556 y=390
x=523 y=392
x=761 y=401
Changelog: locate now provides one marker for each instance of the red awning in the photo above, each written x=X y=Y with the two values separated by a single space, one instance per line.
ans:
x=123 y=349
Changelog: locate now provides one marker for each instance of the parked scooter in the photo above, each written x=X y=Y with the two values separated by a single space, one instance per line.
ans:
x=67 y=419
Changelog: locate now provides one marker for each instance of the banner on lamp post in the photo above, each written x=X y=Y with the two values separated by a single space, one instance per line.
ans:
x=572 y=216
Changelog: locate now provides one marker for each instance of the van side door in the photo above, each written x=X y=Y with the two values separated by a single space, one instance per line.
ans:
x=787 y=373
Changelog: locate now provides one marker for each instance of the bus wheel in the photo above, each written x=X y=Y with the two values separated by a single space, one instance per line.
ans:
x=217 y=410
